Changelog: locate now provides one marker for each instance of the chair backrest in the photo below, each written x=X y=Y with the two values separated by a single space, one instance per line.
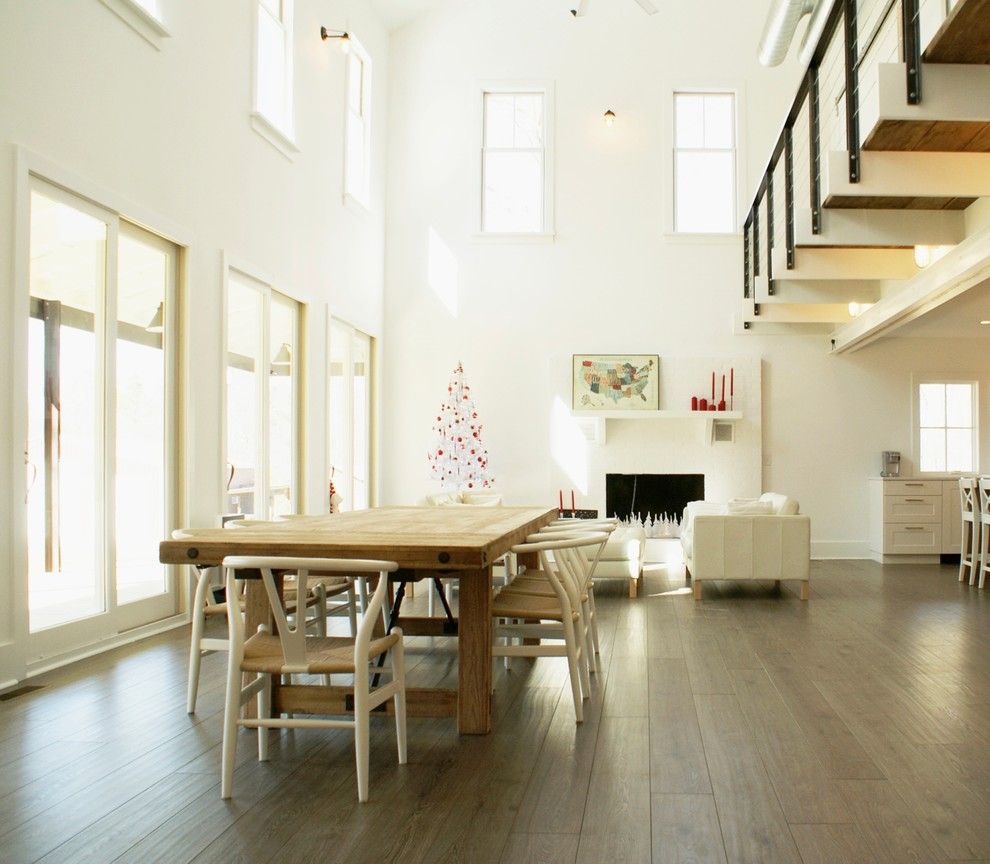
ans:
x=293 y=639
x=564 y=560
x=592 y=555
x=967 y=494
x=983 y=485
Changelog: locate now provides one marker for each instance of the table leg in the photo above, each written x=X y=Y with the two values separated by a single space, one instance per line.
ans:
x=474 y=646
x=531 y=561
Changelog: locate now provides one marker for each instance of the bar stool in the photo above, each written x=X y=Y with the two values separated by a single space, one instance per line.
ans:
x=983 y=564
x=969 y=544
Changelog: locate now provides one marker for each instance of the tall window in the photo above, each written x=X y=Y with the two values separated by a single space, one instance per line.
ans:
x=357 y=154
x=263 y=464
x=947 y=426
x=273 y=65
x=515 y=175
x=704 y=163
x=100 y=386
x=350 y=414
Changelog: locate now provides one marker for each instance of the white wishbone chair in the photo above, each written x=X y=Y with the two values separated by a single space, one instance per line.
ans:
x=969 y=548
x=292 y=652
x=983 y=515
x=557 y=617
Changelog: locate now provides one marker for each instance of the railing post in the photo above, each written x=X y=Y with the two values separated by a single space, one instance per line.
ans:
x=789 y=195
x=770 y=228
x=746 y=262
x=815 y=150
x=852 y=87
x=756 y=241
x=911 y=25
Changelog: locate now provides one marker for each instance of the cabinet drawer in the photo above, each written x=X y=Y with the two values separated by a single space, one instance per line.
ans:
x=912 y=508
x=912 y=488
x=912 y=538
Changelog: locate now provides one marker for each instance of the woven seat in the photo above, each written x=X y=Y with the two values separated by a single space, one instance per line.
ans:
x=219 y=608
x=509 y=604
x=537 y=585
x=330 y=655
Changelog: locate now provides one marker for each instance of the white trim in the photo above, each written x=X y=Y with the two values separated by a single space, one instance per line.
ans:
x=274 y=136
x=358 y=50
x=547 y=88
x=917 y=379
x=140 y=20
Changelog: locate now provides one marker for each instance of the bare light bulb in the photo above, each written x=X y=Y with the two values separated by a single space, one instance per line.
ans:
x=609 y=118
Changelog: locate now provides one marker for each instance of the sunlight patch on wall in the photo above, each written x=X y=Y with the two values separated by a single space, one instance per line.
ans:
x=569 y=445
x=442 y=272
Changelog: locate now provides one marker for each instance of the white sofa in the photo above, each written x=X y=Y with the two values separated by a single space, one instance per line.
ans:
x=623 y=556
x=766 y=538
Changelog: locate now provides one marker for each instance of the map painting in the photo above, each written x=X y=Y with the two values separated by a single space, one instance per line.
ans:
x=616 y=382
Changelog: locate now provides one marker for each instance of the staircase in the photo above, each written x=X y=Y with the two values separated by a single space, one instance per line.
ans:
x=862 y=220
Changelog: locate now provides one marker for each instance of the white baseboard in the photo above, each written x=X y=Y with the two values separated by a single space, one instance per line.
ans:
x=824 y=550
x=129 y=636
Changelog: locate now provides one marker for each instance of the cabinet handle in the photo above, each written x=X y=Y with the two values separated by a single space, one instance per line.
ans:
x=914 y=500
x=913 y=528
x=914 y=484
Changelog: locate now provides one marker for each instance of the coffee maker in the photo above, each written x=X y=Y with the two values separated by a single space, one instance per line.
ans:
x=891 y=464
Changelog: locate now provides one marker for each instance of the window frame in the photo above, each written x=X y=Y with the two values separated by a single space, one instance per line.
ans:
x=546 y=88
x=916 y=381
x=266 y=287
x=146 y=24
x=346 y=490
x=738 y=91
x=281 y=134
x=361 y=196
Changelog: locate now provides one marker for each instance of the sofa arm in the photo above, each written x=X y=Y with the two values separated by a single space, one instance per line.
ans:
x=751 y=547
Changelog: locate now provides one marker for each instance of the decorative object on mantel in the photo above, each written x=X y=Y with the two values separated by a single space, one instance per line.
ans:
x=458 y=459
x=573 y=512
x=656 y=527
x=717 y=404
x=627 y=382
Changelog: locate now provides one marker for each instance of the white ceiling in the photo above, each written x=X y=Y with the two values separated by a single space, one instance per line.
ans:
x=959 y=318
x=398 y=13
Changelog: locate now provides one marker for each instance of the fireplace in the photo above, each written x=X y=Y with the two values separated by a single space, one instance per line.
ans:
x=656 y=500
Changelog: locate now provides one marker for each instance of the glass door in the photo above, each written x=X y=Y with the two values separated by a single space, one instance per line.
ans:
x=100 y=470
x=349 y=418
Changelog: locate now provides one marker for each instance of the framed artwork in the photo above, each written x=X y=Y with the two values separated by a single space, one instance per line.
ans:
x=616 y=382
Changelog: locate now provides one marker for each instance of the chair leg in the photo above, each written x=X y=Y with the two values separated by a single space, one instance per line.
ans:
x=352 y=610
x=321 y=611
x=981 y=535
x=594 y=619
x=363 y=593
x=805 y=589
x=589 y=643
x=232 y=707
x=964 y=541
x=264 y=710
x=429 y=601
x=697 y=589
x=572 y=668
x=361 y=733
x=198 y=624
x=399 y=676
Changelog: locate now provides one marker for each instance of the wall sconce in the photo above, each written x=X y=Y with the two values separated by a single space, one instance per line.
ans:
x=282 y=362
x=342 y=35
x=609 y=118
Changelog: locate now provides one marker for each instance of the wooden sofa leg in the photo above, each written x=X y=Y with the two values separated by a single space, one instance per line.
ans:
x=634 y=584
x=697 y=590
x=805 y=589
x=776 y=584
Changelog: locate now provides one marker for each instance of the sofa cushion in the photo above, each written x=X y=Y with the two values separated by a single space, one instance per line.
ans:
x=782 y=505
x=695 y=508
x=443 y=499
x=750 y=508
x=626 y=543
x=482 y=499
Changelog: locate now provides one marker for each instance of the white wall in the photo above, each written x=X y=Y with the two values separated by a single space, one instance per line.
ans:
x=169 y=131
x=612 y=282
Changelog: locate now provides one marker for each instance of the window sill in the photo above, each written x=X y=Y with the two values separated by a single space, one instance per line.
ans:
x=700 y=238
x=522 y=238
x=274 y=136
x=142 y=22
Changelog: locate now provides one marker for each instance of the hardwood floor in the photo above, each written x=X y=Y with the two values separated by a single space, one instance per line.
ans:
x=748 y=728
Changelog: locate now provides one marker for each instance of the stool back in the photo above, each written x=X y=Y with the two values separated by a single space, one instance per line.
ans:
x=983 y=486
x=968 y=498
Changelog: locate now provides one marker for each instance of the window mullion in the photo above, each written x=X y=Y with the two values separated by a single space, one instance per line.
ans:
x=107 y=323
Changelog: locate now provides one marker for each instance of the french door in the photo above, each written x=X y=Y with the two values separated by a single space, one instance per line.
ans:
x=262 y=400
x=349 y=401
x=101 y=470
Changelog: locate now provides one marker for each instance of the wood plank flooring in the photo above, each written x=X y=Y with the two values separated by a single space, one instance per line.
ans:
x=748 y=728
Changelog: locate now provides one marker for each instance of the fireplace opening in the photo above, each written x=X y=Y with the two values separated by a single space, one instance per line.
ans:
x=657 y=501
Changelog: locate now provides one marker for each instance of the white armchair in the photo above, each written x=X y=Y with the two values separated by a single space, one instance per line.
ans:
x=767 y=539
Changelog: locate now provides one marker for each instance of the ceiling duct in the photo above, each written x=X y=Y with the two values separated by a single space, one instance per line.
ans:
x=816 y=26
x=782 y=21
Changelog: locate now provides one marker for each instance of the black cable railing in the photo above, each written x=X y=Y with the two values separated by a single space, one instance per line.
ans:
x=844 y=13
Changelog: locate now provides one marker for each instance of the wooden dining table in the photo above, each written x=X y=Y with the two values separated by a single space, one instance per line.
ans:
x=461 y=543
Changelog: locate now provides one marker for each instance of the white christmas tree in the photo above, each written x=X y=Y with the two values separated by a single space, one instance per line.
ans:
x=458 y=459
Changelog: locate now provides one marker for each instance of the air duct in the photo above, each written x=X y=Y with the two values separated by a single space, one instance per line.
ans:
x=782 y=21
x=813 y=34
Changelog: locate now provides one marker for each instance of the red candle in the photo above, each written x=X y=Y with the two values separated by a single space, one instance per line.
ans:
x=732 y=382
x=703 y=404
x=723 y=387
x=713 y=386
x=572 y=501
x=694 y=403
x=560 y=492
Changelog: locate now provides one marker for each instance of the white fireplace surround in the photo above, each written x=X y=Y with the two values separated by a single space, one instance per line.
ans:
x=665 y=445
